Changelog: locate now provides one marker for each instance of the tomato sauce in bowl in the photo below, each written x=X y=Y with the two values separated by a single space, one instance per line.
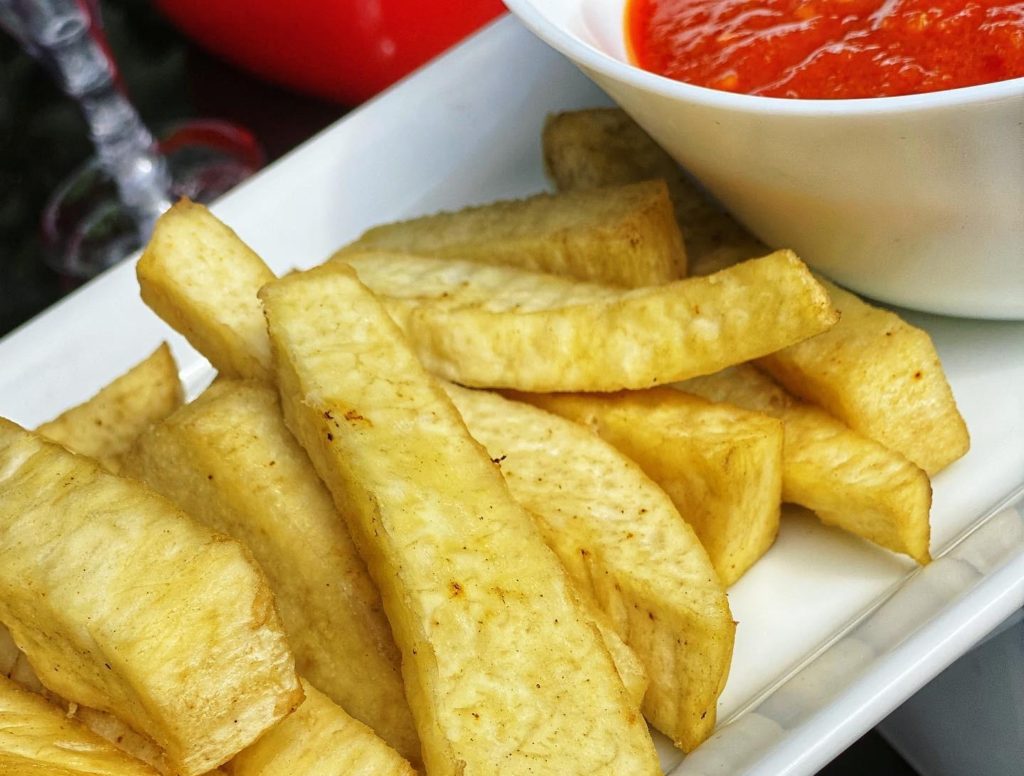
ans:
x=828 y=49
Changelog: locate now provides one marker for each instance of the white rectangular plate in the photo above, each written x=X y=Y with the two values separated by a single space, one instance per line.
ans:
x=833 y=633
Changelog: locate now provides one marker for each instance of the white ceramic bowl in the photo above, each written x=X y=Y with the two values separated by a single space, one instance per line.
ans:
x=916 y=200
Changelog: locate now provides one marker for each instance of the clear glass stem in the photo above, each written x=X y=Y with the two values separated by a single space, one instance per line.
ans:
x=66 y=37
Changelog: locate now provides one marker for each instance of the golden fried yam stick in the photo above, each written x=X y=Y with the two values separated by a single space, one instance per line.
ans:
x=124 y=604
x=605 y=147
x=229 y=461
x=202 y=279
x=37 y=737
x=620 y=235
x=490 y=326
x=882 y=377
x=15 y=666
x=105 y=426
x=847 y=479
x=720 y=465
x=625 y=545
x=874 y=371
x=319 y=738
x=503 y=669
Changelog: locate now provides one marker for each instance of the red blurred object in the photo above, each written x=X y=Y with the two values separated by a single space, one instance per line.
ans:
x=343 y=50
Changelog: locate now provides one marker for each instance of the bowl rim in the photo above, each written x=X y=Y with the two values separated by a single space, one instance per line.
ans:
x=589 y=56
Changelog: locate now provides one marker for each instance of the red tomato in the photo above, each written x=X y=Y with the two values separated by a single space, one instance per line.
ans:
x=343 y=50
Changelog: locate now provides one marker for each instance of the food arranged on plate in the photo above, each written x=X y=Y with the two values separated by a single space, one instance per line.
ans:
x=258 y=487
x=467 y=497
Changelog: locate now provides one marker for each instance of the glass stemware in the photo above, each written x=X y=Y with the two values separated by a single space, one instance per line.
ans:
x=107 y=208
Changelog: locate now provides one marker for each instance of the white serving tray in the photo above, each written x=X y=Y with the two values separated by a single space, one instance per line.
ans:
x=833 y=633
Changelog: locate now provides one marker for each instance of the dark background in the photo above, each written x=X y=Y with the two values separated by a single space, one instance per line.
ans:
x=43 y=139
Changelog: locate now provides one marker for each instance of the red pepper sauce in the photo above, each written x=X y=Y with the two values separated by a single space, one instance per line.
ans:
x=829 y=49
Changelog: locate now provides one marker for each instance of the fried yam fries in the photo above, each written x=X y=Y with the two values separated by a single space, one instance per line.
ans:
x=202 y=279
x=105 y=426
x=847 y=479
x=501 y=327
x=720 y=465
x=625 y=546
x=620 y=235
x=882 y=377
x=605 y=147
x=228 y=460
x=319 y=738
x=37 y=739
x=495 y=643
x=124 y=604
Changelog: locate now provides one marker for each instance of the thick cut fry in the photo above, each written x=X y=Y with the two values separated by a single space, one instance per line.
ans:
x=720 y=465
x=202 y=279
x=502 y=327
x=260 y=489
x=15 y=666
x=228 y=460
x=105 y=426
x=605 y=147
x=882 y=377
x=38 y=739
x=124 y=604
x=622 y=235
x=625 y=546
x=503 y=670
x=874 y=371
x=321 y=739
x=847 y=479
